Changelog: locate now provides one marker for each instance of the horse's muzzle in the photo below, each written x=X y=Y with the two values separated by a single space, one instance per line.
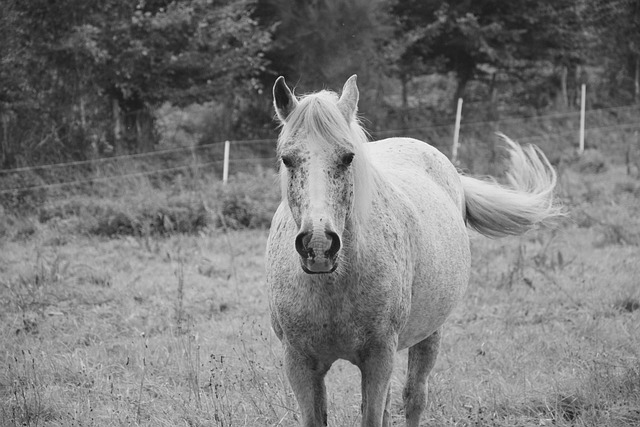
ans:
x=318 y=251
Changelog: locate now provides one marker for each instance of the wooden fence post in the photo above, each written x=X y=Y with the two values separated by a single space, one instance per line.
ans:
x=583 y=102
x=456 y=133
x=225 y=164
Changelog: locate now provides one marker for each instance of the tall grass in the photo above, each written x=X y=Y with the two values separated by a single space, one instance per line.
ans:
x=142 y=206
x=148 y=202
x=169 y=323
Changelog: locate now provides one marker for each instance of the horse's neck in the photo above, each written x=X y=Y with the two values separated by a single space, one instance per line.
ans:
x=359 y=225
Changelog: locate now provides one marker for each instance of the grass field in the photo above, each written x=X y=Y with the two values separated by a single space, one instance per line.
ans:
x=172 y=329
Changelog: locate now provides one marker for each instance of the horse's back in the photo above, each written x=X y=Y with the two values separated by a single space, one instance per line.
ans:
x=409 y=161
x=433 y=193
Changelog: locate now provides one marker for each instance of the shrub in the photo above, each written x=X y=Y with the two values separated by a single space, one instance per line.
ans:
x=150 y=218
x=248 y=201
x=14 y=227
x=591 y=161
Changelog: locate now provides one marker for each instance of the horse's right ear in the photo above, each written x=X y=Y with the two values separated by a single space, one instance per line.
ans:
x=283 y=99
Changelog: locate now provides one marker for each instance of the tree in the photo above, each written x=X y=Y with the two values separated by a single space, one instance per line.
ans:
x=34 y=90
x=75 y=71
x=480 y=37
x=321 y=43
x=12 y=79
x=615 y=25
x=178 y=52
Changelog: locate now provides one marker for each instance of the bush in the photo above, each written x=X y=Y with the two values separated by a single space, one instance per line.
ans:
x=16 y=227
x=130 y=216
x=246 y=201
x=591 y=161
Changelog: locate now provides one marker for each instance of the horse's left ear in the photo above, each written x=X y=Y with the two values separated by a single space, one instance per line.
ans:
x=283 y=99
x=348 y=102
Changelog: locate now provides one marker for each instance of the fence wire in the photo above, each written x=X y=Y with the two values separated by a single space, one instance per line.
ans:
x=200 y=150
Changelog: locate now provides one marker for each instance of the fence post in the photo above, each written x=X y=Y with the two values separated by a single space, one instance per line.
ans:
x=225 y=164
x=456 y=133
x=582 y=116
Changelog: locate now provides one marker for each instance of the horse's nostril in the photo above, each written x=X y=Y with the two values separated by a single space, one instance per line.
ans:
x=303 y=247
x=302 y=244
x=335 y=244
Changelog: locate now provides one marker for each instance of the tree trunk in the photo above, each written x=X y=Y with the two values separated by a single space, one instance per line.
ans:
x=464 y=73
x=83 y=114
x=405 y=96
x=117 y=126
x=564 y=93
x=492 y=88
x=493 y=108
x=5 y=140
x=144 y=130
x=460 y=87
x=637 y=80
x=405 y=100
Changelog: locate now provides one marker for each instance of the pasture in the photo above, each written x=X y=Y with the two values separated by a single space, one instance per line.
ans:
x=169 y=330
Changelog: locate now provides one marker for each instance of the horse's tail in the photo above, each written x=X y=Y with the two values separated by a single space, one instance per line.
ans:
x=497 y=210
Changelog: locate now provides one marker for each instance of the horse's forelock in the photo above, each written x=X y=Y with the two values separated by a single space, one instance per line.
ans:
x=318 y=118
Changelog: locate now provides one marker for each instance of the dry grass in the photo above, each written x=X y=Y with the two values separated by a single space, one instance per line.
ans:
x=174 y=330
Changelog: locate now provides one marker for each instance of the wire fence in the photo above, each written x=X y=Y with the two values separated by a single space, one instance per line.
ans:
x=210 y=155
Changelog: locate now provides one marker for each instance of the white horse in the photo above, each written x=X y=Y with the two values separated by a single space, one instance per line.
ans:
x=368 y=252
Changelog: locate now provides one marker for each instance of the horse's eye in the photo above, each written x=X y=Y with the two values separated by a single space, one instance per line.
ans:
x=347 y=159
x=287 y=161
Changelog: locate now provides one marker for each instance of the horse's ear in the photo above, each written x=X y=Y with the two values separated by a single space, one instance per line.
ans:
x=348 y=102
x=283 y=99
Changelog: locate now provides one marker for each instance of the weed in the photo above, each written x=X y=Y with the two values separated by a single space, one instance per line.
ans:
x=26 y=403
x=179 y=311
x=16 y=227
x=557 y=409
x=515 y=273
x=591 y=162
x=142 y=378
x=247 y=201
x=537 y=252
x=615 y=234
x=627 y=304
x=561 y=350
x=31 y=292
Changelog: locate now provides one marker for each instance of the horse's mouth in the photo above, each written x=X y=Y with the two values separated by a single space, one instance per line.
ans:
x=318 y=266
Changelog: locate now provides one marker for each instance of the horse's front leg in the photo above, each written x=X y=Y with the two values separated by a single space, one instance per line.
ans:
x=376 y=368
x=306 y=376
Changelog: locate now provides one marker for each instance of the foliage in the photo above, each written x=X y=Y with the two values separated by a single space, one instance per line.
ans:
x=145 y=209
x=616 y=27
x=341 y=35
x=320 y=44
x=180 y=52
x=85 y=79
x=475 y=39
x=82 y=57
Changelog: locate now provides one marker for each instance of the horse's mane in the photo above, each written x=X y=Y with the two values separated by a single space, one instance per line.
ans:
x=318 y=119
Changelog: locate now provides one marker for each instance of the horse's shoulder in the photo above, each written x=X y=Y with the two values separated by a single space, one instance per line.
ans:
x=282 y=228
x=280 y=218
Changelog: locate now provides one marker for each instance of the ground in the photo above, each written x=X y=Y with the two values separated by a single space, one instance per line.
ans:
x=174 y=330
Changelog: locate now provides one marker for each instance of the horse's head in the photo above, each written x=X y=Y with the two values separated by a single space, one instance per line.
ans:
x=321 y=150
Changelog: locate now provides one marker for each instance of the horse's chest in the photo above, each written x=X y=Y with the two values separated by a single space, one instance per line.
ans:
x=335 y=337
x=335 y=323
